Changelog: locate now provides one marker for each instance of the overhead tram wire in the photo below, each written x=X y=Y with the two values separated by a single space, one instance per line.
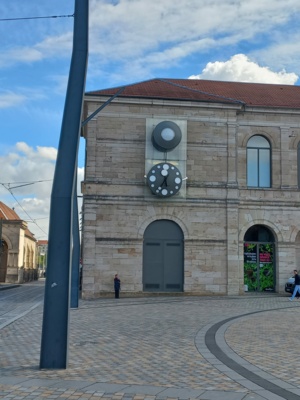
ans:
x=30 y=218
x=21 y=184
x=47 y=17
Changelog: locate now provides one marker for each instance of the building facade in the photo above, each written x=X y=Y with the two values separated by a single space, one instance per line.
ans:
x=18 y=254
x=42 y=253
x=191 y=186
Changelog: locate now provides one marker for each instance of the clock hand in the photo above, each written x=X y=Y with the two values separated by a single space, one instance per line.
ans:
x=164 y=182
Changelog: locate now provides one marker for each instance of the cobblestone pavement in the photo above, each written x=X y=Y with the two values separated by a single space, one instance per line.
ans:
x=160 y=348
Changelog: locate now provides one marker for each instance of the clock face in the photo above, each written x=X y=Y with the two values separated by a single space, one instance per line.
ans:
x=164 y=180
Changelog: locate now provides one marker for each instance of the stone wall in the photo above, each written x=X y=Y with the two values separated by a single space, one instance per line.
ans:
x=217 y=207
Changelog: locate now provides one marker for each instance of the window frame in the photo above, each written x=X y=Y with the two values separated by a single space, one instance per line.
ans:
x=258 y=163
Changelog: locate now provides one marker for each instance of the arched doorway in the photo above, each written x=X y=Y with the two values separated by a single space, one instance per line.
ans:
x=259 y=259
x=163 y=257
x=3 y=260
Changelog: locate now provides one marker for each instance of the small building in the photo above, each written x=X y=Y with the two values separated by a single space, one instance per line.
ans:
x=42 y=252
x=191 y=186
x=17 y=250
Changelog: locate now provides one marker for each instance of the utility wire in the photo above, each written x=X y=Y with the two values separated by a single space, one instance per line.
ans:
x=24 y=18
x=31 y=219
x=20 y=184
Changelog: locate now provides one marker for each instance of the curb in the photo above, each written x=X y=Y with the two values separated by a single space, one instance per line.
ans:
x=5 y=287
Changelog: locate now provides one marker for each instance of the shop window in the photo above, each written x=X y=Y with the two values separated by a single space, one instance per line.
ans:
x=258 y=162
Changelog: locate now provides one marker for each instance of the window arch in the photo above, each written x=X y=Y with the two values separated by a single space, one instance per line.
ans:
x=258 y=162
x=259 y=233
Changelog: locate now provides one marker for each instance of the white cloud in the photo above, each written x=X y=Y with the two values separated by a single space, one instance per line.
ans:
x=60 y=84
x=49 y=153
x=56 y=46
x=239 y=68
x=123 y=25
x=283 y=52
x=20 y=96
x=130 y=30
x=50 y=47
x=25 y=164
x=19 y=55
x=10 y=99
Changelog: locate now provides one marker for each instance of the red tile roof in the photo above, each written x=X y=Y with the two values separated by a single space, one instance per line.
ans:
x=249 y=94
x=42 y=242
x=8 y=213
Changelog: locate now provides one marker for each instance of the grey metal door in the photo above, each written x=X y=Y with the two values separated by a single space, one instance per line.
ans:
x=163 y=257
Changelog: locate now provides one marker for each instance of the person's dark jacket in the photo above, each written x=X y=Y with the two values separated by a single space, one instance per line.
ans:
x=297 y=279
x=117 y=283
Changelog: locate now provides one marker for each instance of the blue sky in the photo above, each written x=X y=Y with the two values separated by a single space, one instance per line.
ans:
x=129 y=41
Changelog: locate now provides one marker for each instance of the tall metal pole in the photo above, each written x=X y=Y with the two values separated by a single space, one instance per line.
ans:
x=54 y=345
x=75 y=253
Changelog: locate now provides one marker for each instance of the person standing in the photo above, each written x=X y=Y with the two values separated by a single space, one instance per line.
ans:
x=297 y=285
x=117 y=286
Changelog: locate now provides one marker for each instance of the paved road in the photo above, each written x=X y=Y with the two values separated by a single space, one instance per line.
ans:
x=207 y=348
x=19 y=300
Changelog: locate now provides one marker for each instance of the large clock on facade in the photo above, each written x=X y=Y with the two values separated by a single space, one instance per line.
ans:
x=164 y=179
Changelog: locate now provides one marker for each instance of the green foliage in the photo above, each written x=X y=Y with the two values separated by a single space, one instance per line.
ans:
x=260 y=275
x=266 y=277
x=250 y=275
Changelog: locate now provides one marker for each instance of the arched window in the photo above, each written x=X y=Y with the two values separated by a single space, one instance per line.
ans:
x=259 y=259
x=259 y=233
x=258 y=162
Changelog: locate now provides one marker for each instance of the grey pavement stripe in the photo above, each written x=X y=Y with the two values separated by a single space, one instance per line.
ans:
x=240 y=370
x=12 y=380
x=37 y=382
x=144 y=389
x=13 y=317
x=68 y=384
x=107 y=389
x=184 y=393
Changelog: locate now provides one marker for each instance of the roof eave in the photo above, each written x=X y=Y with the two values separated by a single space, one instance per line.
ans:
x=159 y=100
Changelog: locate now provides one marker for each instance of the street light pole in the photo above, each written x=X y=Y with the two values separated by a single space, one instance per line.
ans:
x=54 y=345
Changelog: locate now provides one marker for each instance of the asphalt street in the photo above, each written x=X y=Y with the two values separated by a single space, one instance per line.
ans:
x=228 y=348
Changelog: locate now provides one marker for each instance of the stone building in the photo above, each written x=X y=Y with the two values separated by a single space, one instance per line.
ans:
x=191 y=186
x=17 y=249
x=42 y=253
